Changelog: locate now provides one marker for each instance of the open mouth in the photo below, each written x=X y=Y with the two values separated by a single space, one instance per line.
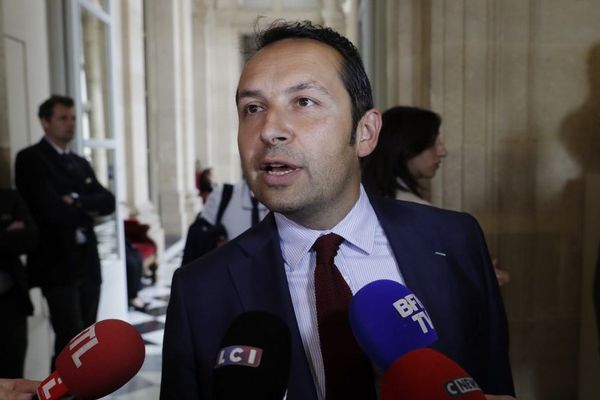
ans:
x=278 y=169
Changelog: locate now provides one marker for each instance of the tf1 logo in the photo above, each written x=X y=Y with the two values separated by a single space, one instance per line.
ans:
x=410 y=306
x=239 y=355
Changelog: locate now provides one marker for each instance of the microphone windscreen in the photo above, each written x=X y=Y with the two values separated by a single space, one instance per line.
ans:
x=426 y=374
x=388 y=321
x=101 y=359
x=254 y=360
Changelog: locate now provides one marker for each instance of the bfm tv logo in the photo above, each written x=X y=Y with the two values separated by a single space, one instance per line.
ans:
x=53 y=387
x=239 y=355
x=407 y=307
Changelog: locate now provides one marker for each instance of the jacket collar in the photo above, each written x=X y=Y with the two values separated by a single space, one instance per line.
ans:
x=423 y=264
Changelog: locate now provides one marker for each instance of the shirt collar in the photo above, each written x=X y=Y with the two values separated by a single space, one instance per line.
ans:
x=358 y=228
x=58 y=149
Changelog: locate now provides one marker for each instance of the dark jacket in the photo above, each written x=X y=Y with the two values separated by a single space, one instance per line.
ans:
x=43 y=177
x=441 y=254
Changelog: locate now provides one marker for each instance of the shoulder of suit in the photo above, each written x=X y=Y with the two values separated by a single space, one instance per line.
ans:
x=405 y=209
x=31 y=153
x=31 y=149
x=212 y=263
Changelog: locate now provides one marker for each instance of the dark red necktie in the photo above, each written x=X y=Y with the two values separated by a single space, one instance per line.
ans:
x=348 y=372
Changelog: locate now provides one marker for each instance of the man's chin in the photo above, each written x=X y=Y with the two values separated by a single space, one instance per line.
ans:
x=286 y=205
x=280 y=206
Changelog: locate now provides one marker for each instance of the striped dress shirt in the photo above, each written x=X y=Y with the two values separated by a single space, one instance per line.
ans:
x=364 y=256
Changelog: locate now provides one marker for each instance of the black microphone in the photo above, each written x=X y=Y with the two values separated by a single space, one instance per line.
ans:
x=254 y=360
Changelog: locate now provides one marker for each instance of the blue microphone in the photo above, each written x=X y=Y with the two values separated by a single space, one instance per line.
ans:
x=388 y=321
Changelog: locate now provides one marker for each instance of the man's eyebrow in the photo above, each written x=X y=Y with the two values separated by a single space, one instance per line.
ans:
x=247 y=93
x=292 y=89
x=307 y=85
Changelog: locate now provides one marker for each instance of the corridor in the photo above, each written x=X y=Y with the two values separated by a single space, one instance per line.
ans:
x=146 y=384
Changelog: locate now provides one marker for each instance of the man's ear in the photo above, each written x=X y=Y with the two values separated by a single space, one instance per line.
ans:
x=44 y=123
x=367 y=132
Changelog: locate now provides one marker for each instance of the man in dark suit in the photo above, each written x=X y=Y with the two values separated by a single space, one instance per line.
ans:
x=306 y=117
x=64 y=196
x=18 y=235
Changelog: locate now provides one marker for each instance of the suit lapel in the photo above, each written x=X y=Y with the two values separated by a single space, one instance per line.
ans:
x=259 y=276
x=52 y=156
x=261 y=283
x=418 y=258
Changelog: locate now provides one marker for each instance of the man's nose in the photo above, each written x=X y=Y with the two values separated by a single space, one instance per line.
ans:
x=275 y=130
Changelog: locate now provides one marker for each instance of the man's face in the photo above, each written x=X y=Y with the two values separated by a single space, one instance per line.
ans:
x=60 y=127
x=294 y=132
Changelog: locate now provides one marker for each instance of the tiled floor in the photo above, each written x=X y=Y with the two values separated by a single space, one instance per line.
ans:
x=146 y=384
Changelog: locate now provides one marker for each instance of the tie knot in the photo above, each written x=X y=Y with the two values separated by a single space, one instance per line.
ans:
x=327 y=247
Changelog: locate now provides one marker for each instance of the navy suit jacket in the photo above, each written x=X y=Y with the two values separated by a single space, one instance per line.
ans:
x=458 y=288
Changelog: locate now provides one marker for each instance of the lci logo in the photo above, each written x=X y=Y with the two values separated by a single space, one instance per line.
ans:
x=239 y=355
x=462 y=386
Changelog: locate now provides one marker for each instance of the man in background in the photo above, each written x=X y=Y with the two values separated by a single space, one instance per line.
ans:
x=63 y=195
x=229 y=211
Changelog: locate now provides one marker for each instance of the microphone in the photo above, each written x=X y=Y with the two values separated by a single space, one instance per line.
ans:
x=425 y=374
x=96 y=362
x=388 y=321
x=254 y=360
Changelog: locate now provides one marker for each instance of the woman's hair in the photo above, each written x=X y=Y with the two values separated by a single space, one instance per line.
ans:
x=405 y=133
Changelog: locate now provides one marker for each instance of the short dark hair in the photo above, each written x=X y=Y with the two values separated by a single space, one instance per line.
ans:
x=405 y=133
x=353 y=73
x=47 y=107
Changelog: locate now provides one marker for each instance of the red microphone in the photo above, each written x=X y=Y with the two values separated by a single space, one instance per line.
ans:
x=96 y=362
x=425 y=374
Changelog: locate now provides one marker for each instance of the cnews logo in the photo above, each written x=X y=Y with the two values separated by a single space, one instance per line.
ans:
x=461 y=386
x=239 y=355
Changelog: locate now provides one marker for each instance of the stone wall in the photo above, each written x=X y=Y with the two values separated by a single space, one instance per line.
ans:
x=516 y=83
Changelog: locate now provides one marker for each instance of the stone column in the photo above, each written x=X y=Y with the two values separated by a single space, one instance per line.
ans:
x=219 y=62
x=5 y=161
x=170 y=115
x=135 y=130
x=202 y=13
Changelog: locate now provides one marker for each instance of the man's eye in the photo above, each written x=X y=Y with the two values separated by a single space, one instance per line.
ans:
x=305 y=102
x=253 y=108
